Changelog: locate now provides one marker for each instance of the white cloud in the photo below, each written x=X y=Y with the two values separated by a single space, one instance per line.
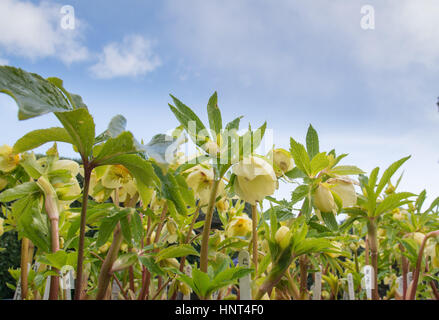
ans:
x=34 y=31
x=132 y=57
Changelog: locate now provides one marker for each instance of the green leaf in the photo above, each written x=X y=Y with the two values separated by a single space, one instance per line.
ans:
x=201 y=282
x=33 y=94
x=113 y=147
x=299 y=193
x=295 y=173
x=137 y=227
x=33 y=225
x=346 y=170
x=319 y=162
x=300 y=156
x=126 y=229
x=109 y=223
x=392 y=201
x=390 y=171
x=20 y=191
x=176 y=251
x=152 y=267
x=37 y=138
x=59 y=259
x=234 y=124
x=124 y=261
x=214 y=114
x=312 y=142
x=330 y=221
x=80 y=126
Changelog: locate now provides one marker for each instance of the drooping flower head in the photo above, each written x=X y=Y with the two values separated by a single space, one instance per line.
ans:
x=255 y=179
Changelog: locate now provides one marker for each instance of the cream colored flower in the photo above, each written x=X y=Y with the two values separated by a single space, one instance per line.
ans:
x=283 y=161
x=201 y=179
x=283 y=236
x=239 y=226
x=255 y=179
x=324 y=200
x=418 y=237
x=8 y=160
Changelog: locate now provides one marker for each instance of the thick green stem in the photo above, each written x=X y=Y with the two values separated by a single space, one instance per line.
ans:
x=105 y=274
x=255 y=237
x=412 y=290
x=303 y=265
x=51 y=206
x=373 y=247
x=206 y=229
x=79 y=270
x=24 y=266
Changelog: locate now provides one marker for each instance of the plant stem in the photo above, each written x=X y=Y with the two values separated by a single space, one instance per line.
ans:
x=106 y=274
x=373 y=246
x=51 y=206
x=255 y=237
x=206 y=229
x=303 y=265
x=412 y=290
x=24 y=266
x=404 y=267
x=79 y=269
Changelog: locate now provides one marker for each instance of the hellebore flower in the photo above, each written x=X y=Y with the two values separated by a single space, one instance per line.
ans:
x=201 y=179
x=283 y=236
x=239 y=226
x=8 y=160
x=324 y=199
x=283 y=162
x=255 y=179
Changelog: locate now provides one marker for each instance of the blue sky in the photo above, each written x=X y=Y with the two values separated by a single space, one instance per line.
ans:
x=369 y=93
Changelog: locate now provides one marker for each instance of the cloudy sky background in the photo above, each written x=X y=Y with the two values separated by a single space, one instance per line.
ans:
x=369 y=93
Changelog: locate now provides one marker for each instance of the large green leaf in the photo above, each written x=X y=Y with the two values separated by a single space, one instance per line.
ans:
x=33 y=94
x=346 y=170
x=390 y=171
x=312 y=142
x=33 y=224
x=319 y=162
x=214 y=114
x=37 y=138
x=300 y=156
x=19 y=191
x=113 y=147
x=80 y=126
x=176 y=251
x=392 y=201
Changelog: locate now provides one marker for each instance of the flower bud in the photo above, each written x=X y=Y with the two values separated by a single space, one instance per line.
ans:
x=2 y=230
x=283 y=161
x=283 y=236
x=8 y=160
x=323 y=199
x=255 y=179
x=171 y=226
x=418 y=237
x=184 y=288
